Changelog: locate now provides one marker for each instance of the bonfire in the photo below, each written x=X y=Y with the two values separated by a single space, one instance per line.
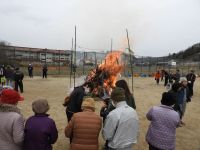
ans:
x=103 y=78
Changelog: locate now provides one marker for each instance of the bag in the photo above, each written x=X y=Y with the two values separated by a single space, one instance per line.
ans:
x=66 y=101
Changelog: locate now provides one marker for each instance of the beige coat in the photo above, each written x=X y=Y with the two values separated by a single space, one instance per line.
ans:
x=11 y=128
x=84 y=127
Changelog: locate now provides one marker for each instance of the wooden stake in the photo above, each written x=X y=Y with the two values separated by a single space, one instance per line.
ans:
x=71 y=63
x=75 y=59
x=130 y=58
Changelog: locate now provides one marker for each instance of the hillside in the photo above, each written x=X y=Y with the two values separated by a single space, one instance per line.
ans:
x=190 y=54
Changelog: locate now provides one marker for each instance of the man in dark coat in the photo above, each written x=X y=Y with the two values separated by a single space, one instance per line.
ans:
x=167 y=76
x=18 y=77
x=75 y=100
x=191 y=77
x=44 y=71
x=177 y=76
x=30 y=70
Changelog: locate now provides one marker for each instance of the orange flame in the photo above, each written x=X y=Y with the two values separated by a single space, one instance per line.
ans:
x=111 y=68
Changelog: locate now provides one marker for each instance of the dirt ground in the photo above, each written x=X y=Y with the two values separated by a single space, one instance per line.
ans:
x=147 y=94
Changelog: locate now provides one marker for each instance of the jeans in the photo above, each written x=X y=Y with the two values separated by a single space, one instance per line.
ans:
x=9 y=82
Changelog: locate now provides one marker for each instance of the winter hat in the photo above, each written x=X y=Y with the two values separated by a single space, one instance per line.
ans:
x=182 y=79
x=88 y=102
x=118 y=94
x=40 y=106
x=9 y=96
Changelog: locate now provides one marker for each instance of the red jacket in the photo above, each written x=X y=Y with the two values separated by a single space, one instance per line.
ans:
x=157 y=75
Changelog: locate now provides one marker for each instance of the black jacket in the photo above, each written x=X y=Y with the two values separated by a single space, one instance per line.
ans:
x=30 y=68
x=75 y=100
x=18 y=76
x=130 y=101
x=9 y=73
x=191 y=77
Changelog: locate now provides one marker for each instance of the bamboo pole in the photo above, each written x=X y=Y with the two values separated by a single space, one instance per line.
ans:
x=75 y=59
x=71 y=63
x=130 y=59
x=111 y=46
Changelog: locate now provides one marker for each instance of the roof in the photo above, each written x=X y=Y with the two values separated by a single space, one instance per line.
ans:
x=29 y=49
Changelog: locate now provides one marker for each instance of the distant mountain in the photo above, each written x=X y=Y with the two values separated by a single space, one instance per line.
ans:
x=190 y=54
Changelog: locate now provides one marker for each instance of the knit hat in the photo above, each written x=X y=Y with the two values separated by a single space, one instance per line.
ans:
x=118 y=94
x=88 y=102
x=9 y=96
x=40 y=106
x=182 y=79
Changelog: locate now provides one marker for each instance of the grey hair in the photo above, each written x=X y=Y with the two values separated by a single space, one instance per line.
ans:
x=40 y=106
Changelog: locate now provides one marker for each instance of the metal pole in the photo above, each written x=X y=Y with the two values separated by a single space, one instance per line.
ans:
x=83 y=63
x=45 y=55
x=59 y=63
x=149 y=65
x=130 y=58
x=71 y=63
x=141 y=66
x=14 y=54
x=75 y=59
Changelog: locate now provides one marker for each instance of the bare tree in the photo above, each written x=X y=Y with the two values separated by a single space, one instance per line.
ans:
x=3 y=55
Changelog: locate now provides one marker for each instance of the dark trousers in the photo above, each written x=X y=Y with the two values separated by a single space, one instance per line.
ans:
x=20 y=85
x=190 y=87
x=44 y=74
x=166 y=81
x=151 y=147
x=69 y=116
x=157 y=81
x=30 y=74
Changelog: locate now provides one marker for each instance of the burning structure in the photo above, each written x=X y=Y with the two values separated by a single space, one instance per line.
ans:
x=102 y=79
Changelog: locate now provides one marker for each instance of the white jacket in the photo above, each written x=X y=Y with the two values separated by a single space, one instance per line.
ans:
x=121 y=127
x=11 y=128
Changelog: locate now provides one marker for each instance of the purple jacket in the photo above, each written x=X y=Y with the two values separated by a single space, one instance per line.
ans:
x=40 y=133
x=162 y=130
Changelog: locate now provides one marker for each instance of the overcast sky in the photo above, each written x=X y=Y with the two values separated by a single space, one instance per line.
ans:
x=156 y=27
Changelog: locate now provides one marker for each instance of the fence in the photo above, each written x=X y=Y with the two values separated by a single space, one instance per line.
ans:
x=59 y=61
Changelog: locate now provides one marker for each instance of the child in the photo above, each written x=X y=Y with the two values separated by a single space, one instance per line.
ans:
x=40 y=130
x=3 y=81
x=157 y=77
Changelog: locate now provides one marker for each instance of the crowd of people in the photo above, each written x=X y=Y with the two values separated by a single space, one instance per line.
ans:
x=13 y=77
x=120 y=128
